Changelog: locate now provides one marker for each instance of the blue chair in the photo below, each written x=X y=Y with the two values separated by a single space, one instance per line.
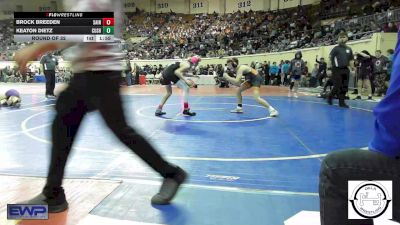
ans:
x=39 y=78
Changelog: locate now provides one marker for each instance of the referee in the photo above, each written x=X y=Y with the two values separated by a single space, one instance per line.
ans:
x=341 y=57
x=95 y=85
x=48 y=65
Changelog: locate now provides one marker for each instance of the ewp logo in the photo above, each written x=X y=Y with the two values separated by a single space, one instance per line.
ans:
x=25 y=211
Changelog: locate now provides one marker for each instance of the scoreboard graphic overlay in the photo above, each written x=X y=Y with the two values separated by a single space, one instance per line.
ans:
x=64 y=26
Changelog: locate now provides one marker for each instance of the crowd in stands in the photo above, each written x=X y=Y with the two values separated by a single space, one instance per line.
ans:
x=213 y=35
x=172 y=35
x=230 y=34
x=144 y=24
x=350 y=8
x=7 y=45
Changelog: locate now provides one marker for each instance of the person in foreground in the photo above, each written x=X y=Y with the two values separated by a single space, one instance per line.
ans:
x=95 y=85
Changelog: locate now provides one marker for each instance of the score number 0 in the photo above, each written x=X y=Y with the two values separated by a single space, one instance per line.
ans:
x=108 y=21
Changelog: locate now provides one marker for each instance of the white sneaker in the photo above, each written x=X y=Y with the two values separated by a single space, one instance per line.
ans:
x=237 y=110
x=273 y=113
x=295 y=95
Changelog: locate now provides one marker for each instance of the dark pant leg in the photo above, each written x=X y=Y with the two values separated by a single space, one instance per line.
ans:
x=376 y=83
x=328 y=83
x=340 y=167
x=47 y=74
x=383 y=83
x=137 y=78
x=372 y=81
x=267 y=80
x=380 y=79
x=110 y=107
x=337 y=83
x=288 y=80
x=345 y=73
x=129 y=78
x=53 y=81
x=320 y=80
x=70 y=109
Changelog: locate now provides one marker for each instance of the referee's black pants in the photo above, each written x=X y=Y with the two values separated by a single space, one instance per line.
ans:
x=50 y=81
x=87 y=92
x=340 y=79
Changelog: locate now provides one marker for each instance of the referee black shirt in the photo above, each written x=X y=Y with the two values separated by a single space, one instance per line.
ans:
x=49 y=62
x=340 y=56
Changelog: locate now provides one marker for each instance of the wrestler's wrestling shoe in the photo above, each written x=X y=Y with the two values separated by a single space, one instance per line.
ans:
x=273 y=112
x=237 y=110
x=159 y=112
x=187 y=112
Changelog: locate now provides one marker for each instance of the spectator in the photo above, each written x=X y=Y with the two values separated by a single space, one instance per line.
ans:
x=273 y=73
x=321 y=70
x=379 y=67
x=365 y=76
x=128 y=72
x=266 y=68
x=390 y=53
x=285 y=73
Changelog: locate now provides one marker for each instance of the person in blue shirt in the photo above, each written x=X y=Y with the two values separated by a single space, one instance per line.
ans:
x=273 y=72
x=285 y=72
x=380 y=162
